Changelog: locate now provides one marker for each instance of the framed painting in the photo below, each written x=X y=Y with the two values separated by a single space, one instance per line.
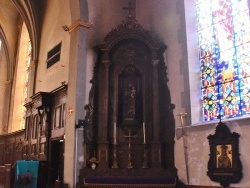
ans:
x=224 y=165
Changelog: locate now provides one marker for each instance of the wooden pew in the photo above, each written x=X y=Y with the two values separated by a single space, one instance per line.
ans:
x=5 y=175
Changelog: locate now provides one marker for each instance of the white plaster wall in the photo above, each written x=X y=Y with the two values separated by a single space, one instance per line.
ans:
x=56 y=15
x=198 y=152
x=104 y=15
x=163 y=19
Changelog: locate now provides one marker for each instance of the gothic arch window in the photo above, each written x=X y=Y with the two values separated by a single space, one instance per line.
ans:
x=21 y=80
x=224 y=55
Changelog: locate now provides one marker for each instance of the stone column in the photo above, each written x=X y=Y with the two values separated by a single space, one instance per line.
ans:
x=75 y=100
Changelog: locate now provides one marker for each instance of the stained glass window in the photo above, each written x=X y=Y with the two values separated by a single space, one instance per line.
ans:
x=224 y=53
x=26 y=82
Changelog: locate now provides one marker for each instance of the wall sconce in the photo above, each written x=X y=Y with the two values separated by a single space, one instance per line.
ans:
x=65 y=28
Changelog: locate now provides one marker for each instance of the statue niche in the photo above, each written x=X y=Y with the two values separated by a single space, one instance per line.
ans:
x=129 y=122
x=130 y=105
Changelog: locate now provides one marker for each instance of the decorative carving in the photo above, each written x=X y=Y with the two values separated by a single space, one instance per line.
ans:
x=106 y=62
x=130 y=54
x=129 y=27
x=224 y=164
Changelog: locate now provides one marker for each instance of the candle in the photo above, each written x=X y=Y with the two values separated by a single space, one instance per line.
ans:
x=144 y=134
x=114 y=133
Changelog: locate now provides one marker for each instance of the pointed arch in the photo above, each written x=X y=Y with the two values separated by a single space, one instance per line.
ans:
x=30 y=12
x=20 y=81
x=7 y=54
x=6 y=72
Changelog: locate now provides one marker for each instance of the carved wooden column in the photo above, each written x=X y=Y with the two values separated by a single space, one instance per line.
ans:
x=155 y=101
x=75 y=94
x=103 y=112
x=103 y=94
x=156 y=146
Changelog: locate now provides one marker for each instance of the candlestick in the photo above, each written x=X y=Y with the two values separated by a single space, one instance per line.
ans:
x=144 y=133
x=114 y=133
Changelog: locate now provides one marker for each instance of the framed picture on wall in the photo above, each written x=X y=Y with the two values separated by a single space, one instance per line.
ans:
x=224 y=165
x=224 y=156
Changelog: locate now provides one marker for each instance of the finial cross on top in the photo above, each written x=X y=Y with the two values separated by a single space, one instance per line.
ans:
x=129 y=8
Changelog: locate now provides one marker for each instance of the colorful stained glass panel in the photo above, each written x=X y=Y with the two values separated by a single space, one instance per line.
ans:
x=224 y=42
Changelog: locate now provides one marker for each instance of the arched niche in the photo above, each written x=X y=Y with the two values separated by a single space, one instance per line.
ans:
x=129 y=121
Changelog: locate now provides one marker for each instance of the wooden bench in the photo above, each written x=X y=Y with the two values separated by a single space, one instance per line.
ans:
x=5 y=175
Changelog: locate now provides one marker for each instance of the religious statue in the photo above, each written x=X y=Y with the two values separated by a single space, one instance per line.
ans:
x=130 y=102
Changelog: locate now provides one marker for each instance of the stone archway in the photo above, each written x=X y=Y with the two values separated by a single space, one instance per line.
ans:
x=5 y=82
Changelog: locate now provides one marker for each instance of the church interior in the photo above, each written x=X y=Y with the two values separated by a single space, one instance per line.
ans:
x=124 y=93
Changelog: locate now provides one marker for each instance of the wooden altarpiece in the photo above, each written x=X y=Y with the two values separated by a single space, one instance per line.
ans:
x=129 y=124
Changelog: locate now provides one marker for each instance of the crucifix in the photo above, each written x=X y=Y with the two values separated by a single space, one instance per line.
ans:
x=129 y=8
x=182 y=115
x=129 y=166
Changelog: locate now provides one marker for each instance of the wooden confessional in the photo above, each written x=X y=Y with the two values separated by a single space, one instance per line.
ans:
x=129 y=125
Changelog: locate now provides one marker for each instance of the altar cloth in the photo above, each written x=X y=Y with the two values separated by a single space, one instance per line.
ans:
x=26 y=170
